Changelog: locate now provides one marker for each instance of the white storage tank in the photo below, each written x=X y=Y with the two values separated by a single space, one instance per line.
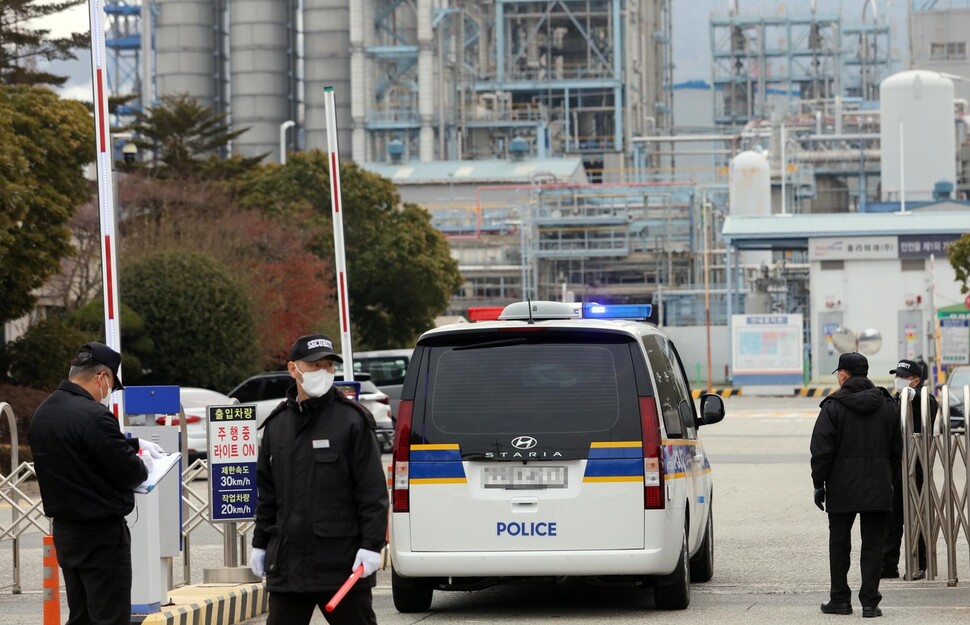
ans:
x=749 y=184
x=917 y=112
x=749 y=193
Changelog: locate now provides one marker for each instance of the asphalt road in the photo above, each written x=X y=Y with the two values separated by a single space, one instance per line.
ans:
x=770 y=561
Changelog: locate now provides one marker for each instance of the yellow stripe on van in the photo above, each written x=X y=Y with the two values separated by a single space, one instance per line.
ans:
x=615 y=478
x=675 y=476
x=435 y=447
x=439 y=480
x=679 y=441
x=617 y=444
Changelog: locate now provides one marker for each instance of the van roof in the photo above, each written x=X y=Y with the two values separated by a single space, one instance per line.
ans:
x=377 y=353
x=633 y=328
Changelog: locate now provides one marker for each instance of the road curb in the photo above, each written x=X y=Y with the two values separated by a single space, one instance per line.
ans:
x=816 y=391
x=210 y=604
x=723 y=392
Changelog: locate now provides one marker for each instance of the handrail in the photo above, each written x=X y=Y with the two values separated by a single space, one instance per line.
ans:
x=15 y=509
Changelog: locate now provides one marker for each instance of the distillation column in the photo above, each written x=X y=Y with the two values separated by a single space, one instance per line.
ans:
x=426 y=96
x=326 y=41
x=258 y=65
x=358 y=90
x=185 y=50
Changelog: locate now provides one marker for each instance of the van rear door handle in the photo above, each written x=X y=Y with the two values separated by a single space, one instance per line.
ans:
x=525 y=504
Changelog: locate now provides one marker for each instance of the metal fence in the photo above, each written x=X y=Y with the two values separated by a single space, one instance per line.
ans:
x=939 y=510
x=27 y=512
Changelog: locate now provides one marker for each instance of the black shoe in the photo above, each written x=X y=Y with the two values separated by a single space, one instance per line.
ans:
x=833 y=607
x=920 y=574
x=889 y=574
x=871 y=611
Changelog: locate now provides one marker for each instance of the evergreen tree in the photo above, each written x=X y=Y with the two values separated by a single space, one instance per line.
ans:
x=22 y=47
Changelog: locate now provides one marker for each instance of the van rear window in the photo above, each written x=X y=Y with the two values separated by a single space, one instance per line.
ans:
x=530 y=388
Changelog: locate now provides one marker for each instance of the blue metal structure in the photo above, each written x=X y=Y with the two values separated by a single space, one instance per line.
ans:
x=123 y=40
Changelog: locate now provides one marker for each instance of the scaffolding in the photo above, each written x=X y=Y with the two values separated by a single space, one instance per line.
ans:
x=763 y=64
x=460 y=80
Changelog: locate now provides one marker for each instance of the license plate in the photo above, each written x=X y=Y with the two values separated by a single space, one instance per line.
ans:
x=524 y=477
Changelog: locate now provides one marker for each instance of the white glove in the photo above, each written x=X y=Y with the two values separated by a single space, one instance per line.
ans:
x=146 y=459
x=149 y=447
x=257 y=559
x=370 y=559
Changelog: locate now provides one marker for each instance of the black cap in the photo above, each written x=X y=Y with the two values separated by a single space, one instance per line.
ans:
x=313 y=347
x=908 y=369
x=853 y=362
x=99 y=352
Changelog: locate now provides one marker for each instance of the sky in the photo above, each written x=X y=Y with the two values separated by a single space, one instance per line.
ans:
x=691 y=36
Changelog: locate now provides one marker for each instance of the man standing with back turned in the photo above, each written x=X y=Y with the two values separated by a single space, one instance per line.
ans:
x=856 y=449
x=86 y=470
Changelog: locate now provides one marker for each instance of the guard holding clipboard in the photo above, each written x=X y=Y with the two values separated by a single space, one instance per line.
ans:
x=86 y=470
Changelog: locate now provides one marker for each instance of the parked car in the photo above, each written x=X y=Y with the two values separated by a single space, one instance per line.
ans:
x=959 y=377
x=195 y=401
x=386 y=368
x=267 y=390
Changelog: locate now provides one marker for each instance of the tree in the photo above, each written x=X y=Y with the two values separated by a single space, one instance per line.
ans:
x=40 y=358
x=290 y=288
x=400 y=272
x=959 y=256
x=136 y=345
x=198 y=317
x=44 y=144
x=23 y=47
x=186 y=137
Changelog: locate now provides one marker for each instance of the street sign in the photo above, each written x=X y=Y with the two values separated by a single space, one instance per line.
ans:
x=233 y=449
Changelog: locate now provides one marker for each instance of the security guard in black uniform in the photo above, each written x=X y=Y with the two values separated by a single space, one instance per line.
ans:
x=909 y=374
x=856 y=448
x=322 y=506
x=86 y=470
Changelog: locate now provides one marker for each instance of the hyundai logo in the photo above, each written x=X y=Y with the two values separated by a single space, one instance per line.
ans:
x=524 y=442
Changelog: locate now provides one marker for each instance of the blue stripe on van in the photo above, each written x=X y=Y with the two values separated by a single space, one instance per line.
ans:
x=436 y=470
x=614 y=467
x=601 y=453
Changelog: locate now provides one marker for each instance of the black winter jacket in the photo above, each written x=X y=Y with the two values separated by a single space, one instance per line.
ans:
x=86 y=468
x=856 y=448
x=322 y=493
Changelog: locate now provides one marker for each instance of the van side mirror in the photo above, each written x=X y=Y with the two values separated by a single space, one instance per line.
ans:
x=712 y=409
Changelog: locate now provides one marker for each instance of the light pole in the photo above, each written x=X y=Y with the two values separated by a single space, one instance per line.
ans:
x=283 y=127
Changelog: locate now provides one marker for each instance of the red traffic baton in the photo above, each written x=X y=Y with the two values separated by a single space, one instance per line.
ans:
x=332 y=604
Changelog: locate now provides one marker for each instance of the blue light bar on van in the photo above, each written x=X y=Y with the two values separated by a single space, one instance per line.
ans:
x=616 y=311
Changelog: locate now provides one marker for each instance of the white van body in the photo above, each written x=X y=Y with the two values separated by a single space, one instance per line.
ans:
x=525 y=454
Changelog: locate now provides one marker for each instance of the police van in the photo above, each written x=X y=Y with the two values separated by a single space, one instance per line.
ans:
x=556 y=440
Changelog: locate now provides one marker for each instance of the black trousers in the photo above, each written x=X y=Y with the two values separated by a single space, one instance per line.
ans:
x=96 y=562
x=873 y=526
x=291 y=608
x=894 y=529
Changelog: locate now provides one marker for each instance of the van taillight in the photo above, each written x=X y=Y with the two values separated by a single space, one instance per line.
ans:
x=402 y=454
x=653 y=469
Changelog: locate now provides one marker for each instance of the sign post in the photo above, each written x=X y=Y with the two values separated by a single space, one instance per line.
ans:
x=233 y=449
x=106 y=207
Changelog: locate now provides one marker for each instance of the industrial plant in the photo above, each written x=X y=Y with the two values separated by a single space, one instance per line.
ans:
x=552 y=146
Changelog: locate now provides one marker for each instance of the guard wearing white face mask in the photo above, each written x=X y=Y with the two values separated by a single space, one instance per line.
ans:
x=86 y=470
x=909 y=374
x=322 y=506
